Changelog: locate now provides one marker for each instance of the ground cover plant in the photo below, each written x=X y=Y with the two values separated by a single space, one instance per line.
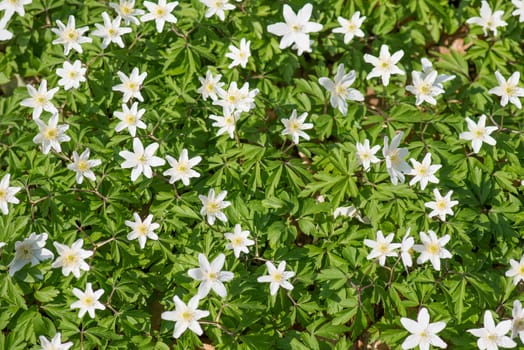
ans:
x=261 y=174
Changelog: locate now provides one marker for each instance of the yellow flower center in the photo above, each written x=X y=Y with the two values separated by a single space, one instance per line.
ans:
x=88 y=301
x=510 y=90
x=126 y=9
x=142 y=159
x=3 y=194
x=433 y=248
x=425 y=89
x=296 y=27
x=352 y=27
x=72 y=74
x=160 y=12
x=41 y=99
x=210 y=87
x=131 y=85
x=383 y=248
x=422 y=170
x=50 y=133
x=141 y=229
x=82 y=165
x=213 y=207
x=441 y=204
x=237 y=241
x=340 y=90
x=521 y=270
x=187 y=316
x=294 y=126
x=72 y=34
x=111 y=32
x=70 y=259
x=130 y=119
x=277 y=277
x=212 y=276
x=479 y=133
x=183 y=167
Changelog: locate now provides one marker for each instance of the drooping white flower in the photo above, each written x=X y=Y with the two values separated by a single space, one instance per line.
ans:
x=40 y=99
x=55 y=343
x=517 y=322
x=519 y=4
x=182 y=169
x=238 y=241
x=141 y=160
x=478 y=133
x=217 y=7
x=395 y=163
x=211 y=85
x=4 y=33
x=130 y=119
x=110 y=31
x=350 y=28
x=130 y=86
x=211 y=276
x=236 y=99
x=226 y=123
x=295 y=126
x=296 y=29
x=82 y=166
x=424 y=172
x=7 y=194
x=50 y=135
x=508 y=90
x=240 y=54
x=69 y=36
x=185 y=316
x=424 y=87
x=87 y=301
x=385 y=65
x=277 y=277
x=340 y=89
x=10 y=7
x=366 y=154
x=160 y=13
x=432 y=249
x=212 y=206
x=382 y=247
x=72 y=75
x=142 y=230
x=516 y=271
x=492 y=336
x=442 y=205
x=71 y=258
x=405 y=249
x=488 y=20
x=30 y=250
x=126 y=9
x=423 y=333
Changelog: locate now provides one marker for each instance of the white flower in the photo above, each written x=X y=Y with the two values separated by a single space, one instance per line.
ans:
x=492 y=336
x=424 y=87
x=142 y=230
x=340 y=89
x=296 y=29
x=427 y=69
x=217 y=7
x=424 y=172
x=130 y=119
x=405 y=249
x=55 y=343
x=395 y=163
x=239 y=55
x=212 y=206
x=4 y=33
x=236 y=99
x=423 y=333
x=82 y=166
x=30 y=250
x=442 y=205
x=131 y=85
x=160 y=13
x=277 y=277
x=141 y=160
x=210 y=86
x=385 y=64
x=382 y=247
x=40 y=100
x=69 y=36
x=185 y=316
x=50 y=135
x=72 y=75
x=508 y=90
x=478 y=133
x=350 y=28
x=87 y=301
x=238 y=241
x=71 y=259
x=294 y=126
x=517 y=323
x=487 y=19
x=12 y=6
x=432 y=249
x=519 y=4
x=366 y=155
x=111 y=31
x=516 y=271
x=126 y=9
x=181 y=169
x=211 y=276
x=7 y=194
x=227 y=123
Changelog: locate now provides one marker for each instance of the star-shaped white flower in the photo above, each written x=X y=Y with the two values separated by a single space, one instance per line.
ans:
x=406 y=247
x=226 y=123
x=508 y=90
x=130 y=119
x=516 y=271
x=238 y=241
x=40 y=99
x=211 y=276
x=432 y=249
x=160 y=13
x=110 y=31
x=82 y=166
x=478 y=133
x=55 y=343
x=296 y=29
x=427 y=69
x=492 y=336
x=340 y=90
x=30 y=250
x=10 y=7
x=424 y=87
x=488 y=20
x=217 y=7
x=517 y=322
x=211 y=85
x=442 y=205
x=71 y=75
x=277 y=277
x=7 y=194
x=394 y=156
x=185 y=316
x=385 y=64
x=87 y=301
x=295 y=126
x=366 y=154
x=71 y=258
x=382 y=247
x=50 y=135
x=182 y=169
x=234 y=98
x=126 y=9
x=130 y=86
x=142 y=230
x=424 y=172
x=69 y=36
x=423 y=333
x=212 y=206
x=141 y=160
x=350 y=28
x=519 y=11
x=240 y=54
